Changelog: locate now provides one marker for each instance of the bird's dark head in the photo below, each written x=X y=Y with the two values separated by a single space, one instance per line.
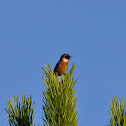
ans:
x=66 y=56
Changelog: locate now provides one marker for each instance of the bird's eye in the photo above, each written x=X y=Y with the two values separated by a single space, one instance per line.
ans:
x=67 y=57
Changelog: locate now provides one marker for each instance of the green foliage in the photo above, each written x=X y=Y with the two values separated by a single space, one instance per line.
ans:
x=117 y=113
x=59 y=101
x=20 y=113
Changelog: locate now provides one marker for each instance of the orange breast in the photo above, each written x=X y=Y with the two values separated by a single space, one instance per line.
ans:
x=62 y=67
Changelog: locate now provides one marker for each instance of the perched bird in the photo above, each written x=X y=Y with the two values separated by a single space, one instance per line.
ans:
x=62 y=65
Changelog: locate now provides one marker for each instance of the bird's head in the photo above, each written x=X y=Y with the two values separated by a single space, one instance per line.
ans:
x=65 y=57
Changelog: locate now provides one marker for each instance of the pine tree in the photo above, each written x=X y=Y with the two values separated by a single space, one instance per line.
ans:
x=117 y=112
x=20 y=113
x=59 y=99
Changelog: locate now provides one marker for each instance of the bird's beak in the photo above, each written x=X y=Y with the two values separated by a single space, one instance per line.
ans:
x=70 y=56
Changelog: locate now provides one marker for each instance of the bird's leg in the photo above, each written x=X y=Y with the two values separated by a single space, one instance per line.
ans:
x=59 y=79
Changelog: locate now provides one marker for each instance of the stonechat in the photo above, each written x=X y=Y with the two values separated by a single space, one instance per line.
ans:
x=62 y=64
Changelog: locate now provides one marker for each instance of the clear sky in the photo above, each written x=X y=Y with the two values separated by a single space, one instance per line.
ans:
x=35 y=33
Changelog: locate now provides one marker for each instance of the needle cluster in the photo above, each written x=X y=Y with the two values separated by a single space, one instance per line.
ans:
x=59 y=99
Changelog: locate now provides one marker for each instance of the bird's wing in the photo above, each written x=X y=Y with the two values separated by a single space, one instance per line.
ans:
x=57 y=65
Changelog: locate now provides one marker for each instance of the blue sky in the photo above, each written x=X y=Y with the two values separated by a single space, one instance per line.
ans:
x=35 y=33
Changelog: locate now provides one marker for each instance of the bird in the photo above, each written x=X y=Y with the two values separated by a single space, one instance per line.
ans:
x=62 y=64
